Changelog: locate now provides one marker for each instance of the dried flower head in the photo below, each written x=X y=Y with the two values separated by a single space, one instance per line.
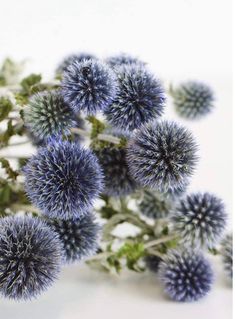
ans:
x=162 y=155
x=63 y=180
x=200 y=219
x=193 y=99
x=79 y=237
x=140 y=98
x=30 y=257
x=89 y=86
x=186 y=275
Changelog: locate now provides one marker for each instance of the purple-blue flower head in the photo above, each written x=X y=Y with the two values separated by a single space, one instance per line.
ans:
x=79 y=237
x=63 y=179
x=67 y=61
x=48 y=115
x=30 y=257
x=162 y=155
x=89 y=86
x=186 y=275
x=122 y=59
x=200 y=219
x=140 y=98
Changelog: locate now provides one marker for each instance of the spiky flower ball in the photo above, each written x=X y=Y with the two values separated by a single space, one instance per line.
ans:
x=117 y=178
x=63 y=180
x=227 y=254
x=140 y=98
x=89 y=86
x=122 y=59
x=79 y=237
x=193 y=99
x=200 y=219
x=72 y=58
x=162 y=155
x=30 y=257
x=48 y=115
x=154 y=205
x=186 y=275
x=152 y=263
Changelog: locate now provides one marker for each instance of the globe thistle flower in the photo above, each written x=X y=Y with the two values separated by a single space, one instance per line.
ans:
x=162 y=155
x=89 y=86
x=152 y=263
x=122 y=59
x=63 y=180
x=193 y=99
x=48 y=115
x=30 y=257
x=186 y=275
x=79 y=237
x=117 y=178
x=72 y=58
x=140 y=98
x=200 y=219
x=227 y=254
x=154 y=205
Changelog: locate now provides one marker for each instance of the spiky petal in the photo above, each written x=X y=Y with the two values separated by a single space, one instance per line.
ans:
x=30 y=257
x=186 y=275
x=63 y=180
x=67 y=61
x=200 y=219
x=162 y=155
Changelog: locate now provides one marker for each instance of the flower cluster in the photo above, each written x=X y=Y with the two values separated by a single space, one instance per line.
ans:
x=104 y=153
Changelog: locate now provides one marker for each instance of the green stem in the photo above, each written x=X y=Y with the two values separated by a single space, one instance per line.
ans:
x=159 y=241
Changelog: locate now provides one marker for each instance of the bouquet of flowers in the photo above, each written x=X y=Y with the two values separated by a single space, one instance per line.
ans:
x=104 y=158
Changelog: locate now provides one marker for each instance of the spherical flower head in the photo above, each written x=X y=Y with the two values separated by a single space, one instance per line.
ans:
x=63 y=180
x=152 y=263
x=193 y=99
x=89 y=86
x=72 y=58
x=48 y=115
x=186 y=275
x=122 y=59
x=200 y=219
x=117 y=178
x=30 y=257
x=162 y=155
x=153 y=205
x=140 y=98
x=227 y=254
x=79 y=237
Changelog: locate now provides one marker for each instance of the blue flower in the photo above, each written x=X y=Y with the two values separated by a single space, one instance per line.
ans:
x=89 y=86
x=140 y=98
x=193 y=99
x=67 y=61
x=122 y=59
x=112 y=158
x=48 y=115
x=30 y=257
x=154 y=205
x=79 y=237
x=186 y=275
x=200 y=219
x=63 y=180
x=162 y=155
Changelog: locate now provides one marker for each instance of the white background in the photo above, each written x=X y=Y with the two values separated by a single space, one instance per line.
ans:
x=181 y=39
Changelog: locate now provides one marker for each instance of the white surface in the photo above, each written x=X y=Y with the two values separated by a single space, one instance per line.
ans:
x=181 y=39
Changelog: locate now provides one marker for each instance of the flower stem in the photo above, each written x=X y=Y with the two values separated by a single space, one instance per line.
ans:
x=159 y=241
